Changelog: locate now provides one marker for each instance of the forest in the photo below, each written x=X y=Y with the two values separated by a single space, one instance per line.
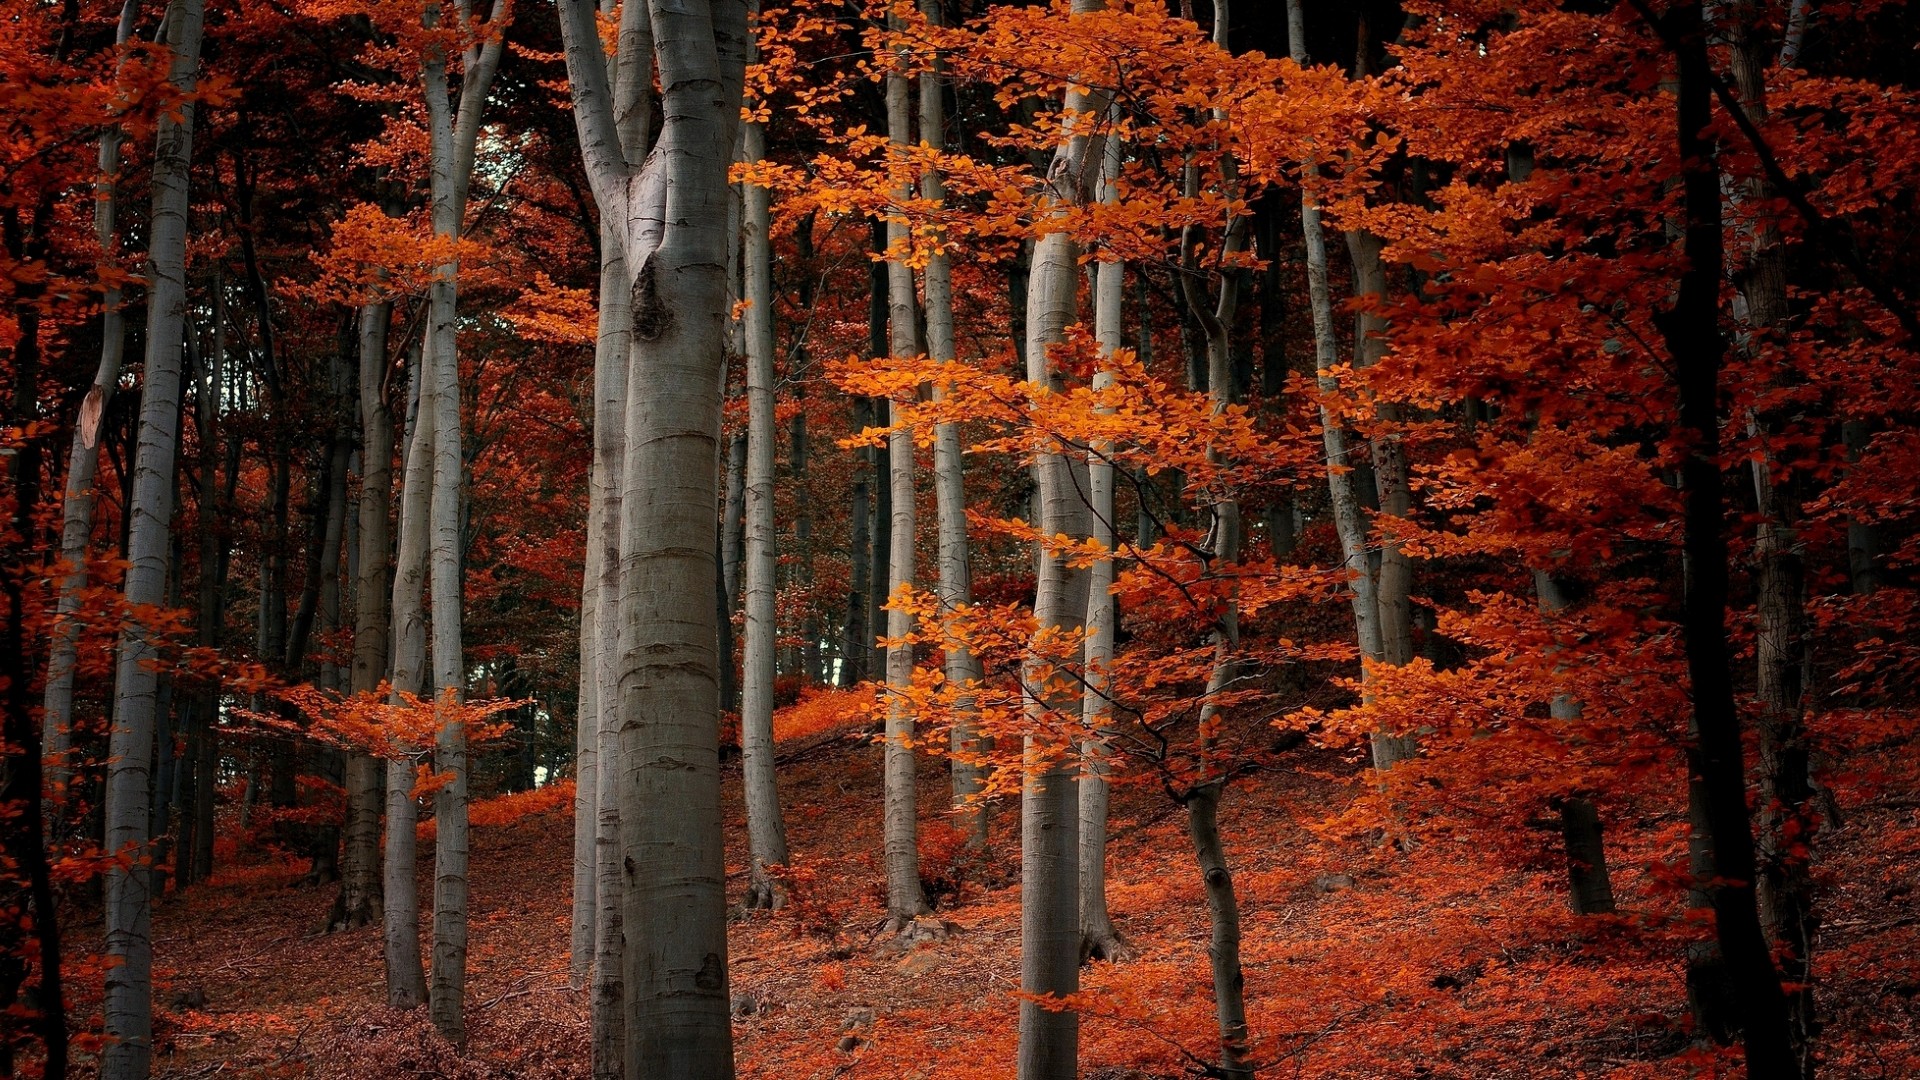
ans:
x=1126 y=539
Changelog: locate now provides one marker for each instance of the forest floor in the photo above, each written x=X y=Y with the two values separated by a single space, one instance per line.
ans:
x=1360 y=961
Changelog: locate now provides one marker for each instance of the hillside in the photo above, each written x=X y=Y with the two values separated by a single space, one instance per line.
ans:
x=1447 y=973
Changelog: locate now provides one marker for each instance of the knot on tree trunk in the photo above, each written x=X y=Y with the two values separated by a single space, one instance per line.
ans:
x=650 y=316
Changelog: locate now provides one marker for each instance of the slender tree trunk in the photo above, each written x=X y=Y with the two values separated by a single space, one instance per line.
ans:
x=733 y=528
x=586 y=754
x=880 y=518
x=905 y=899
x=856 y=638
x=128 y=1007
x=1715 y=755
x=1349 y=512
x=1787 y=816
x=1394 y=575
x=28 y=895
x=600 y=661
x=766 y=831
x=440 y=395
x=969 y=747
x=1589 y=884
x=1100 y=939
x=215 y=549
x=1049 y=813
x=453 y=133
x=406 y=978
x=632 y=73
x=83 y=461
x=1203 y=799
x=360 y=881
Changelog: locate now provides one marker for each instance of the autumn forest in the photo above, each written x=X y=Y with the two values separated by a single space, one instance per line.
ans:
x=1128 y=539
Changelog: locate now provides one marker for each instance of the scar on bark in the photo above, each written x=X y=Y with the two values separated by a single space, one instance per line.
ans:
x=650 y=317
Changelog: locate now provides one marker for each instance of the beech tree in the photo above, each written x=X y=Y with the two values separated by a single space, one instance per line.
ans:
x=768 y=838
x=1470 y=622
x=128 y=1005
x=670 y=220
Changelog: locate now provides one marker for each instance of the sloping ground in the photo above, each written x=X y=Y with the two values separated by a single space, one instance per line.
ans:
x=1360 y=961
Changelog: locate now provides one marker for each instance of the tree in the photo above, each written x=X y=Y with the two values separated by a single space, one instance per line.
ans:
x=360 y=886
x=906 y=901
x=767 y=832
x=1049 y=811
x=669 y=212
x=83 y=461
x=129 y=988
x=1716 y=759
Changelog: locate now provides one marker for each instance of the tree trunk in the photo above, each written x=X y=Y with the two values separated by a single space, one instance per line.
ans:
x=598 y=882
x=1589 y=884
x=1099 y=937
x=856 y=638
x=766 y=831
x=968 y=747
x=1203 y=800
x=733 y=528
x=406 y=979
x=632 y=74
x=1787 y=817
x=452 y=134
x=195 y=855
x=83 y=461
x=1715 y=755
x=1049 y=812
x=360 y=881
x=128 y=1006
x=905 y=899
x=587 y=715
x=1349 y=513
x=677 y=1019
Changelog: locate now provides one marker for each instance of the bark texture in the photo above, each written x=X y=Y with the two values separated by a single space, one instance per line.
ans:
x=1715 y=757
x=766 y=830
x=128 y=1006
x=906 y=901
x=671 y=219
x=361 y=896
x=1049 y=810
x=83 y=462
x=406 y=977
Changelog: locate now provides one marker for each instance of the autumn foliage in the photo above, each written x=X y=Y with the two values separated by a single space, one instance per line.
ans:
x=1449 y=339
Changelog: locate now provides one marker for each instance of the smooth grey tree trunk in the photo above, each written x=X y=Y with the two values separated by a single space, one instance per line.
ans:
x=632 y=73
x=128 y=1005
x=83 y=463
x=586 y=724
x=1349 y=512
x=906 y=901
x=1100 y=939
x=1049 y=810
x=406 y=978
x=672 y=213
x=733 y=521
x=610 y=408
x=968 y=746
x=766 y=830
x=361 y=894
x=453 y=132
